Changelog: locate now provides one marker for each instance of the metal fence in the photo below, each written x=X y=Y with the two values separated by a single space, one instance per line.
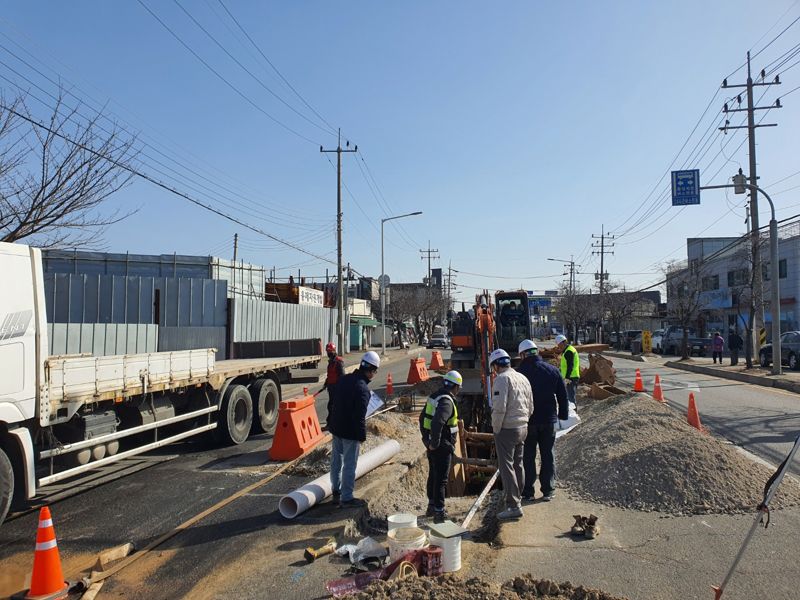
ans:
x=101 y=339
x=258 y=320
x=193 y=338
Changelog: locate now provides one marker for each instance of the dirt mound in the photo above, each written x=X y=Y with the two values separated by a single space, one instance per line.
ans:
x=450 y=587
x=633 y=452
x=426 y=388
x=392 y=425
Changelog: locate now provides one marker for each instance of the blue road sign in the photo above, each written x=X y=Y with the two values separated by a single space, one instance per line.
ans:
x=685 y=187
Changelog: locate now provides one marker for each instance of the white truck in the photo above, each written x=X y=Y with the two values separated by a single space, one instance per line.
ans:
x=61 y=416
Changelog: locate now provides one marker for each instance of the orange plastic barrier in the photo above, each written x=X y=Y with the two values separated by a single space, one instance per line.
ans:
x=436 y=361
x=389 y=385
x=298 y=429
x=417 y=371
x=657 y=393
x=47 y=580
x=638 y=386
x=693 y=416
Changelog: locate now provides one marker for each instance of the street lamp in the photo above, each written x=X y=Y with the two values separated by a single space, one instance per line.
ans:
x=382 y=281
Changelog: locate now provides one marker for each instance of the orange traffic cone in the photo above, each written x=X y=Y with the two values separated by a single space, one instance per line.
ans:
x=389 y=385
x=47 y=580
x=657 y=393
x=638 y=386
x=693 y=417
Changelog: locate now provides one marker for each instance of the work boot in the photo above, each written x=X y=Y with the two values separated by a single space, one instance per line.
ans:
x=510 y=513
x=591 y=530
x=431 y=512
x=336 y=494
x=440 y=516
x=579 y=527
x=352 y=503
x=548 y=496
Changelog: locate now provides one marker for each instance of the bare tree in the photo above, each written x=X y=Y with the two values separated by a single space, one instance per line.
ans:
x=620 y=305
x=55 y=176
x=575 y=308
x=424 y=305
x=684 y=298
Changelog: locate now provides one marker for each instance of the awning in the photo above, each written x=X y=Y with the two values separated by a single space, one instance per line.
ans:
x=364 y=321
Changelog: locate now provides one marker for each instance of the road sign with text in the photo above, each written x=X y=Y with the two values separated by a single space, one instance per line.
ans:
x=686 y=187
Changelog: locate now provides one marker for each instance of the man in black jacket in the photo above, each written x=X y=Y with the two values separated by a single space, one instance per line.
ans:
x=549 y=394
x=735 y=344
x=438 y=424
x=348 y=425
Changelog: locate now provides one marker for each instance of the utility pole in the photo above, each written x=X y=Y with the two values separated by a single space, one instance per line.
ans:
x=602 y=276
x=235 y=252
x=339 y=287
x=572 y=271
x=430 y=253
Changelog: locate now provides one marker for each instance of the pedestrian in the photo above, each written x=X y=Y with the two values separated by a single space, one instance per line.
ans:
x=349 y=427
x=438 y=424
x=717 y=344
x=512 y=407
x=735 y=344
x=549 y=406
x=570 y=367
x=335 y=373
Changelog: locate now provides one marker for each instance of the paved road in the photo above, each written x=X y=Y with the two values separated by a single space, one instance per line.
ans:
x=142 y=506
x=764 y=421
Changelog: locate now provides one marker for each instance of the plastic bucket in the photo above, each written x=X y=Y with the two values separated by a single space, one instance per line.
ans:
x=451 y=552
x=401 y=520
x=404 y=539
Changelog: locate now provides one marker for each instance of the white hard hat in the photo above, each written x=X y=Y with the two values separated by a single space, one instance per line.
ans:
x=454 y=377
x=371 y=358
x=526 y=345
x=560 y=338
x=499 y=356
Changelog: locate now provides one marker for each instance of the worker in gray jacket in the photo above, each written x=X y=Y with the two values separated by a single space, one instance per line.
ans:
x=512 y=407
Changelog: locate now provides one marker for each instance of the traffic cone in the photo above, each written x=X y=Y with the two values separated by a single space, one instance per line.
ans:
x=47 y=580
x=638 y=386
x=389 y=385
x=657 y=393
x=693 y=417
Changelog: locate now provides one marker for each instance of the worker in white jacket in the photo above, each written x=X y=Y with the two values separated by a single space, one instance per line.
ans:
x=512 y=407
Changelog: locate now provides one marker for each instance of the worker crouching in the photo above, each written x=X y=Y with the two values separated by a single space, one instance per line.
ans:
x=438 y=424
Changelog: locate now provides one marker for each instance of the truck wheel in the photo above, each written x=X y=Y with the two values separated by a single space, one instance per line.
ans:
x=266 y=398
x=235 y=415
x=6 y=484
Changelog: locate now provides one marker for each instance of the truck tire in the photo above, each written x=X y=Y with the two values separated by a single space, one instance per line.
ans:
x=6 y=484
x=266 y=399
x=235 y=416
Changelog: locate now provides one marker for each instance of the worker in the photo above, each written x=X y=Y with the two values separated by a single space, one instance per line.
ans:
x=735 y=344
x=549 y=406
x=512 y=407
x=349 y=427
x=570 y=367
x=335 y=373
x=438 y=424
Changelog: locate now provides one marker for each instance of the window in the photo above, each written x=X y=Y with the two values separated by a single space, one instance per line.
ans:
x=737 y=277
x=766 y=270
x=782 y=268
x=710 y=283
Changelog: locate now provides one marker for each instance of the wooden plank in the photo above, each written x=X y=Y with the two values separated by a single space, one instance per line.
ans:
x=457 y=482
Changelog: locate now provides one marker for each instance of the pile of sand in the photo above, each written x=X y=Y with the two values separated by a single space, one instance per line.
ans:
x=450 y=587
x=633 y=452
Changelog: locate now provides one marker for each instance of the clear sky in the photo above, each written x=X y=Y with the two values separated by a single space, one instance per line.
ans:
x=519 y=128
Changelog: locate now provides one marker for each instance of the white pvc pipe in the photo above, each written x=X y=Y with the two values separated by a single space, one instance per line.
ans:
x=300 y=500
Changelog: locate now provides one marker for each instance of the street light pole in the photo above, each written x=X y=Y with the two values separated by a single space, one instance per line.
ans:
x=739 y=184
x=382 y=281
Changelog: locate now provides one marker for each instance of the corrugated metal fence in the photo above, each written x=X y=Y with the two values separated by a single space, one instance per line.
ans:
x=258 y=320
x=101 y=339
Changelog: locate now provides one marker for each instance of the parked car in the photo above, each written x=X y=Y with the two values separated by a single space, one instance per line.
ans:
x=672 y=341
x=630 y=335
x=438 y=340
x=790 y=351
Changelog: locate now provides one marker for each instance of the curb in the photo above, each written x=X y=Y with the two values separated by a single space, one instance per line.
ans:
x=625 y=356
x=761 y=380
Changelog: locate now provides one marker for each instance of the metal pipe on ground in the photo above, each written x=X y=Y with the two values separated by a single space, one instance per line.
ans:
x=301 y=499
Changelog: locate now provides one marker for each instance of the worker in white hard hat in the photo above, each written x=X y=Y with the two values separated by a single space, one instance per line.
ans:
x=348 y=426
x=549 y=405
x=512 y=407
x=570 y=367
x=438 y=424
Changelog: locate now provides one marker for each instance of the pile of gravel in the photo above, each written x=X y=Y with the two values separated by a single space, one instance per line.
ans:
x=633 y=452
x=451 y=587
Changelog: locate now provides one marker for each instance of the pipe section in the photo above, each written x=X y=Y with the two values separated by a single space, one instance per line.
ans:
x=301 y=499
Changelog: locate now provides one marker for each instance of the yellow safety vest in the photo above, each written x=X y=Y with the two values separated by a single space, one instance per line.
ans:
x=576 y=366
x=430 y=410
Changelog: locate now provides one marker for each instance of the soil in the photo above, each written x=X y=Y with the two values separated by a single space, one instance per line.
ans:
x=633 y=452
x=426 y=388
x=451 y=587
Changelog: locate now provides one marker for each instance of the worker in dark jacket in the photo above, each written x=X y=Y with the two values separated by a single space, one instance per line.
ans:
x=335 y=373
x=550 y=405
x=349 y=427
x=438 y=424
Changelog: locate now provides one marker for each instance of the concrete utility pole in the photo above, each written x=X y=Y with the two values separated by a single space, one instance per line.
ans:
x=339 y=286
x=758 y=285
x=430 y=253
x=603 y=276
x=572 y=265
x=235 y=251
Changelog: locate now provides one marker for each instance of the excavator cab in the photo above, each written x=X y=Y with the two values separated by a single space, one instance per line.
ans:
x=513 y=320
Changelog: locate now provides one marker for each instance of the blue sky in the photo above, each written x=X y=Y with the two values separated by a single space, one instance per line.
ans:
x=518 y=128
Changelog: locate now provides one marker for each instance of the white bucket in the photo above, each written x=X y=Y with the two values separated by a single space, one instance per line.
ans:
x=401 y=520
x=403 y=539
x=451 y=552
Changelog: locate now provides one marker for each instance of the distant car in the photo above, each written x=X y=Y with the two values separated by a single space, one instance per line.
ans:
x=630 y=335
x=438 y=340
x=790 y=351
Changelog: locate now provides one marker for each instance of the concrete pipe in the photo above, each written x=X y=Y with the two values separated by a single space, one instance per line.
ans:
x=300 y=500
